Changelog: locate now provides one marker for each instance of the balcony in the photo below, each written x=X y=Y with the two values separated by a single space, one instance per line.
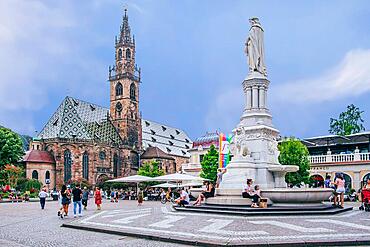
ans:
x=113 y=77
x=339 y=158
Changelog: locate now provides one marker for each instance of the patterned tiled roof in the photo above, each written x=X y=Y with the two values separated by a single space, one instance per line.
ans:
x=75 y=118
x=82 y=120
x=170 y=140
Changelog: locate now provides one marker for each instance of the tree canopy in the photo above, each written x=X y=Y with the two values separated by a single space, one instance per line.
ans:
x=293 y=152
x=349 y=122
x=11 y=147
x=150 y=169
x=210 y=164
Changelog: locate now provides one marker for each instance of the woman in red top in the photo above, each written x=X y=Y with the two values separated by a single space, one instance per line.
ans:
x=98 y=198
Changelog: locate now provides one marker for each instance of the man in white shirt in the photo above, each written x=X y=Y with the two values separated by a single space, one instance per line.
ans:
x=183 y=199
x=42 y=196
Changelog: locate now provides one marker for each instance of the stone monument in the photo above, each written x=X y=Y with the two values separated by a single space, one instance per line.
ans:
x=254 y=148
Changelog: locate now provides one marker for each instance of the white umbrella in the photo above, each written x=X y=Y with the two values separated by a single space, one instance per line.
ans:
x=165 y=185
x=191 y=184
x=132 y=179
x=178 y=177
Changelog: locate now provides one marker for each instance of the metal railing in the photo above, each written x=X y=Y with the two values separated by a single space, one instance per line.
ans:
x=339 y=158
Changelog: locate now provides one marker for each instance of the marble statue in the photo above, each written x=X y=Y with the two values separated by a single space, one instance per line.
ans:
x=254 y=48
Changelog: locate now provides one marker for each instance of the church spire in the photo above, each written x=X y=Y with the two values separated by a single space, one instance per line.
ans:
x=125 y=32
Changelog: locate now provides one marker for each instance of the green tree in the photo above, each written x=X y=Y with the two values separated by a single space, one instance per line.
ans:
x=210 y=164
x=293 y=152
x=150 y=169
x=11 y=147
x=10 y=174
x=349 y=122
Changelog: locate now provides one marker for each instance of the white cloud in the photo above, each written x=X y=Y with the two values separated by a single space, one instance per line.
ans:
x=351 y=77
x=225 y=109
x=30 y=41
x=42 y=54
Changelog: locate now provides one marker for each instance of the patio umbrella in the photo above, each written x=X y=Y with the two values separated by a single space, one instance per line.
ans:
x=132 y=179
x=165 y=185
x=192 y=184
x=178 y=178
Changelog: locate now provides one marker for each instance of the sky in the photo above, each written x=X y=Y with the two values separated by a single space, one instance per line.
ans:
x=192 y=59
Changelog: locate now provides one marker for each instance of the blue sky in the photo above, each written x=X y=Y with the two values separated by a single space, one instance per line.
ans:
x=192 y=60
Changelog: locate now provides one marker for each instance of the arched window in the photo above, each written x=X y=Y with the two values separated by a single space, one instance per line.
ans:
x=128 y=54
x=35 y=174
x=132 y=91
x=47 y=175
x=85 y=165
x=119 y=54
x=67 y=165
x=364 y=179
x=119 y=89
x=116 y=166
x=317 y=181
x=348 y=182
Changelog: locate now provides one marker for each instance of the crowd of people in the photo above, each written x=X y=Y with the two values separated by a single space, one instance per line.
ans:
x=181 y=196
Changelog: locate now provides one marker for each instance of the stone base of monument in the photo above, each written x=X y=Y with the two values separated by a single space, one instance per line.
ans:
x=277 y=196
x=281 y=201
x=285 y=210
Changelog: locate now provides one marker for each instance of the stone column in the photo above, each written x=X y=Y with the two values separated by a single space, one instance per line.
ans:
x=356 y=180
x=261 y=92
x=265 y=96
x=249 y=98
x=255 y=96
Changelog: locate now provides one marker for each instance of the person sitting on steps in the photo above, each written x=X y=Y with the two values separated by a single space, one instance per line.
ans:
x=209 y=192
x=249 y=192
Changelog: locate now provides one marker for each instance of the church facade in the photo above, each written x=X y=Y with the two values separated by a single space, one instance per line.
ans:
x=84 y=141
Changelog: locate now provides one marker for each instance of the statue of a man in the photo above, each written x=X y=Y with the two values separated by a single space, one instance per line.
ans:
x=254 y=48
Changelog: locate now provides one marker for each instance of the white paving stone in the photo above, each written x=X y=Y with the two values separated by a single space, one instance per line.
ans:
x=291 y=226
x=167 y=222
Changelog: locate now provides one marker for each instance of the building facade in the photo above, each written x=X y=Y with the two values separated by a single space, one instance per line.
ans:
x=93 y=143
x=200 y=147
x=333 y=154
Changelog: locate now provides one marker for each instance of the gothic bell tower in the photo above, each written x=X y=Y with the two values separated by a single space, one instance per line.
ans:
x=124 y=78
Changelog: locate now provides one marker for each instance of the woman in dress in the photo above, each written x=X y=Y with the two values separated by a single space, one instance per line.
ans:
x=98 y=198
x=140 y=198
x=209 y=192
x=64 y=193
x=339 y=182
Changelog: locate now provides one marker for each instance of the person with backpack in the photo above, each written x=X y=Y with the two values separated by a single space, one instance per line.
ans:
x=65 y=194
x=85 y=197
x=77 y=196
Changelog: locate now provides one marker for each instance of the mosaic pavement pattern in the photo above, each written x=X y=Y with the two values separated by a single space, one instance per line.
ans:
x=164 y=223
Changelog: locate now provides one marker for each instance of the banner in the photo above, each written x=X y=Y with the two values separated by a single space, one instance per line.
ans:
x=224 y=150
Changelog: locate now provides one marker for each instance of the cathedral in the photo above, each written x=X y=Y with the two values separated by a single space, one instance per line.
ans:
x=85 y=141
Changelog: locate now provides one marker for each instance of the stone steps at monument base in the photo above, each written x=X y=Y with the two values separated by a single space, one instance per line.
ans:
x=322 y=207
x=229 y=200
x=261 y=211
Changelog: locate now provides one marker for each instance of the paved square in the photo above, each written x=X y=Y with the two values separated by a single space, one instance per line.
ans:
x=164 y=223
x=25 y=224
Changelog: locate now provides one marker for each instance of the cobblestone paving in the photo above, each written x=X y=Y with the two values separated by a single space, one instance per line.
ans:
x=25 y=224
x=163 y=222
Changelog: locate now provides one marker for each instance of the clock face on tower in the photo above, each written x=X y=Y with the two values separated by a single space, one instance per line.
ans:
x=119 y=107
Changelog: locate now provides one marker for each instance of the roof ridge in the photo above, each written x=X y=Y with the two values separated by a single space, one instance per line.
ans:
x=86 y=102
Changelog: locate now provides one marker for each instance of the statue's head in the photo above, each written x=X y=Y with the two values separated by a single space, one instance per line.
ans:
x=254 y=20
